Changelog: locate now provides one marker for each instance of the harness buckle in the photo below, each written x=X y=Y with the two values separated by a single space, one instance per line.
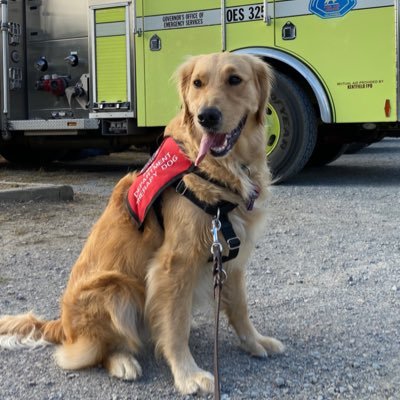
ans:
x=233 y=243
x=181 y=188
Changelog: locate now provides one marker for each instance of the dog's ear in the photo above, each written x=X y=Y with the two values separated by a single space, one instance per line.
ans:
x=183 y=78
x=264 y=80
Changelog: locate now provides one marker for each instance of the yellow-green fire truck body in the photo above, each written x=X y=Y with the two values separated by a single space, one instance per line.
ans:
x=335 y=61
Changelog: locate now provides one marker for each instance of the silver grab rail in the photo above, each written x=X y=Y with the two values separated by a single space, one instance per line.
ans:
x=267 y=17
x=137 y=30
x=4 y=35
x=223 y=25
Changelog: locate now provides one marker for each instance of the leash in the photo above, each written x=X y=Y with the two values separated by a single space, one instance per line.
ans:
x=220 y=276
x=220 y=222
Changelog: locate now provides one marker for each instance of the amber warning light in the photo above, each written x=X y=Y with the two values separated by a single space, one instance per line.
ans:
x=388 y=108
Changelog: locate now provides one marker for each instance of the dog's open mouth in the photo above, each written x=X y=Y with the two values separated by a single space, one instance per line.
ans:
x=219 y=144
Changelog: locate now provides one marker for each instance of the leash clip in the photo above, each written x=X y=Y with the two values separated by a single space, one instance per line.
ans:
x=216 y=226
x=216 y=251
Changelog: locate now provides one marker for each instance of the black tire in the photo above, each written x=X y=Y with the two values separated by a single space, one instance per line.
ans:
x=297 y=125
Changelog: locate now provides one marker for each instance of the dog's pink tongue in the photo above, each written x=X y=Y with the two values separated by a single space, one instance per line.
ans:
x=207 y=141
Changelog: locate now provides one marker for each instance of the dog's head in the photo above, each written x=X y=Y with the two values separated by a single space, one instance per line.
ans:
x=220 y=93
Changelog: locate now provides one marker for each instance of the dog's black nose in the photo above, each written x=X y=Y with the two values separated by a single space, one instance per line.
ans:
x=210 y=118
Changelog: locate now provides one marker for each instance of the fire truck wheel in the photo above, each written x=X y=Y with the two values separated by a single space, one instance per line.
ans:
x=291 y=128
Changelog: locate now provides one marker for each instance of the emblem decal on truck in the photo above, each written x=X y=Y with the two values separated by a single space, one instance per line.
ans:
x=331 y=8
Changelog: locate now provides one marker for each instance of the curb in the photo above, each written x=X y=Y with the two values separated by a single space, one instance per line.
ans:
x=23 y=192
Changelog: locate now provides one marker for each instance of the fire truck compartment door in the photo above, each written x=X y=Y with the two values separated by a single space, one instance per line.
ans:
x=111 y=78
x=172 y=30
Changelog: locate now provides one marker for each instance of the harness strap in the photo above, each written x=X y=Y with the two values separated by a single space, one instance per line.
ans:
x=224 y=208
x=216 y=182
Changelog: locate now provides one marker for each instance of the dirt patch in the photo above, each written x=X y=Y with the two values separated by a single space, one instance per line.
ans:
x=10 y=185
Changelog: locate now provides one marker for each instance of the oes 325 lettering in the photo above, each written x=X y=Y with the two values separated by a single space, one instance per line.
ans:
x=244 y=14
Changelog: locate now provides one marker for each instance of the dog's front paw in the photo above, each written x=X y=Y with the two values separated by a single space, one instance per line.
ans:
x=261 y=346
x=123 y=366
x=199 y=381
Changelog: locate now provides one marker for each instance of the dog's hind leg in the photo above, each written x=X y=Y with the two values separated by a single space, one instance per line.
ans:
x=235 y=305
x=86 y=352
x=168 y=310
x=101 y=318
x=120 y=361
x=82 y=353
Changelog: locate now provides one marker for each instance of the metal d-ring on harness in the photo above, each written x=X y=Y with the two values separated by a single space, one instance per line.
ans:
x=220 y=276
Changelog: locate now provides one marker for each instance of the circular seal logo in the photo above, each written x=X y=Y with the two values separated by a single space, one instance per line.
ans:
x=331 y=8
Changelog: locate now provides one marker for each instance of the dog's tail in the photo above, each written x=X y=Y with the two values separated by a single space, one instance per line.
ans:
x=27 y=330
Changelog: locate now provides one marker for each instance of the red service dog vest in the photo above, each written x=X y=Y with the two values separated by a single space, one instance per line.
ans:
x=165 y=167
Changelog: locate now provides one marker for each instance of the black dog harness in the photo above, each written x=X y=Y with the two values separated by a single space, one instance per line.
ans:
x=222 y=208
x=166 y=169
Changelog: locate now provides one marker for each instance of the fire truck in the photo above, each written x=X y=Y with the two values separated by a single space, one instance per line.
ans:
x=80 y=74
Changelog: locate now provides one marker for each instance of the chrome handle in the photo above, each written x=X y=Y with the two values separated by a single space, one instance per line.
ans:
x=267 y=17
x=136 y=30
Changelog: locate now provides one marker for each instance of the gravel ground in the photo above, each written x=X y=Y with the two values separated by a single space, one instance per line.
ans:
x=324 y=279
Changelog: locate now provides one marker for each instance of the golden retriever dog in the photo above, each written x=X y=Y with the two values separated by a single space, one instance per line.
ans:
x=128 y=279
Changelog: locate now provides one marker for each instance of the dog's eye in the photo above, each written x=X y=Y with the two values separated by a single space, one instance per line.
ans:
x=234 y=80
x=198 y=83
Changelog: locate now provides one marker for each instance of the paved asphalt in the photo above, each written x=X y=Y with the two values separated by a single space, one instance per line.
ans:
x=324 y=278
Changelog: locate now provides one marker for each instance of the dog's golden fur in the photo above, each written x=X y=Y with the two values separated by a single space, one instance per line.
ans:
x=125 y=279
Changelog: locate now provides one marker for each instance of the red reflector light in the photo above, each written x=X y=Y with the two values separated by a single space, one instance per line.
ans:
x=388 y=108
